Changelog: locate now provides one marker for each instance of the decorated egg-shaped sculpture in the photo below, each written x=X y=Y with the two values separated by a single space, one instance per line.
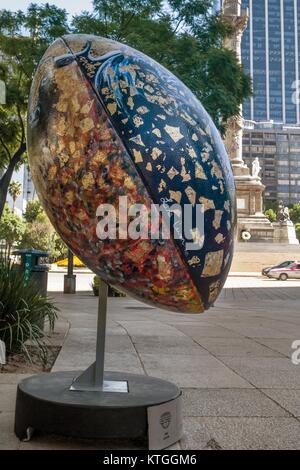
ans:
x=110 y=127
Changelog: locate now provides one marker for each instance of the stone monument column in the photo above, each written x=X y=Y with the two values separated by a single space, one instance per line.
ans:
x=249 y=186
x=234 y=136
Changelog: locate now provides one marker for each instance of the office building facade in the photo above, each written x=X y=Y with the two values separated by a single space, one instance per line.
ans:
x=270 y=53
x=278 y=148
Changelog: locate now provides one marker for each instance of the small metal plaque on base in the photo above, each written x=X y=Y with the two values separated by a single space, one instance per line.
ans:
x=165 y=424
x=120 y=386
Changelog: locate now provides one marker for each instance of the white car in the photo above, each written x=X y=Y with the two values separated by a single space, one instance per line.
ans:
x=291 y=271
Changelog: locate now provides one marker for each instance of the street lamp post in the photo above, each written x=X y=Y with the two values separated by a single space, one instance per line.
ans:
x=70 y=278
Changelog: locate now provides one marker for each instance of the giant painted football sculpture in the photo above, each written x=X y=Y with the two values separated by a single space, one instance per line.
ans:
x=107 y=121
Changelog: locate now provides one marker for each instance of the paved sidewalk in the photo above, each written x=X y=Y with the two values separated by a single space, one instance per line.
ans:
x=233 y=363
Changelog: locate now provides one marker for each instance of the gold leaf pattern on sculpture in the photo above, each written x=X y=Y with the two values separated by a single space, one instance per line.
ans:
x=112 y=108
x=185 y=176
x=191 y=194
x=174 y=133
x=194 y=260
x=213 y=263
x=227 y=206
x=219 y=238
x=86 y=124
x=88 y=180
x=207 y=203
x=192 y=152
x=199 y=172
x=143 y=110
x=157 y=132
x=188 y=118
x=138 y=121
x=130 y=103
x=172 y=173
x=214 y=288
x=217 y=219
x=87 y=107
x=176 y=195
x=52 y=172
x=138 y=140
x=156 y=152
x=137 y=156
x=216 y=170
x=129 y=183
x=161 y=186
x=72 y=146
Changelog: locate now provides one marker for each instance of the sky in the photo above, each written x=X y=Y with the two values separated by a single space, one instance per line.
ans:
x=72 y=6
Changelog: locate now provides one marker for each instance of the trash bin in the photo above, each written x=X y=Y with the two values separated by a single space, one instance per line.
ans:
x=32 y=268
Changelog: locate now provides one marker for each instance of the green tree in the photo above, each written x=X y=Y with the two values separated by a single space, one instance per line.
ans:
x=186 y=37
x=297 y=228
x=33 y=210
x=271 y=215
x=23 y=39
x=40 y=234
x=15 y=190
x=12 y=229
x=295 y=213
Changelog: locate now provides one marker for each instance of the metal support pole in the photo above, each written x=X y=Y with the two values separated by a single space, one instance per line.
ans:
x=101 y=329
x=70 y=263
x=92 y=379
x=70 y=278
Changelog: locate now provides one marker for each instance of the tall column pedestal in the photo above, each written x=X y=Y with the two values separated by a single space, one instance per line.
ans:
x=250 y=207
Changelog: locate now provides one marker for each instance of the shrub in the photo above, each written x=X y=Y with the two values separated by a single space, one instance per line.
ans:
x=112 y=291
x=297 y=227
x=271 y=215
x=23 y=312
x=11 y=230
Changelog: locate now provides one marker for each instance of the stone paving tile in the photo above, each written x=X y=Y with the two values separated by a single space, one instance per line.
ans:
x=288 y=399
x=261 y=332
x=8 y=397
x=160 y=344
x=229 y=403
x=199 y=331
x=146 y=328
x=117 y=343
x=12 y=378
x=236 y=347
x=266 y=372
x=241 y=433
x=192 y=371
x=125 y=362
x=8 y=440
x=282 y=345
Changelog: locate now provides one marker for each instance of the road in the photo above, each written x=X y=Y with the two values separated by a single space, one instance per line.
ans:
x=238 y=280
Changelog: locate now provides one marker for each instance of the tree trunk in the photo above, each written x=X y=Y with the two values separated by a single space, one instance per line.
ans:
x=6 y=178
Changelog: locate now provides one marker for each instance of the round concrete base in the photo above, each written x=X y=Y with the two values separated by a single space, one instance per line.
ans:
x=150 y=410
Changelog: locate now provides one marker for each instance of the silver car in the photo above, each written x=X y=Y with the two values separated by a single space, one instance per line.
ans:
x=292 y=271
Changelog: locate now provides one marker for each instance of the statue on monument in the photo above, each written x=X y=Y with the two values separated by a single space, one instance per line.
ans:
x=283 y=213
x=256 y=168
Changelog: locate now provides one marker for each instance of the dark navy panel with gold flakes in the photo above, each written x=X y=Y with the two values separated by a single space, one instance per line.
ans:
x=121 y=124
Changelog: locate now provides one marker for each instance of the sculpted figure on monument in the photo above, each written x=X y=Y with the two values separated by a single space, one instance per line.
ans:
x=256 y=167
x=283 y=213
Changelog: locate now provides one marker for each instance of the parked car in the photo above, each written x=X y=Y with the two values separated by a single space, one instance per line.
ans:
x=292 y=271
x=285 y=264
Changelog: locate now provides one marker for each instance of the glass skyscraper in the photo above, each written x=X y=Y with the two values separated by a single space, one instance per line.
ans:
x=270 y=53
